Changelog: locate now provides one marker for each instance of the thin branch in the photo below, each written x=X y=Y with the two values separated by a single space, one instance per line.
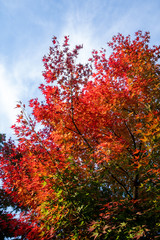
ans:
x=123 y=170
x=120 y=183
x=73 y=121
x=132 y=136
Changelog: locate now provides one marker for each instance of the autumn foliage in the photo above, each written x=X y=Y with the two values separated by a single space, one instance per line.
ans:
x=10 y=225
x=86 y=165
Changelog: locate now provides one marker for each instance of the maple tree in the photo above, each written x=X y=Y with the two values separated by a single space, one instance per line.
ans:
x=86 y=165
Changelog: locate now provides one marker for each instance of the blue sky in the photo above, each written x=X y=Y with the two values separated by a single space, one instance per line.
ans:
x=27 y=28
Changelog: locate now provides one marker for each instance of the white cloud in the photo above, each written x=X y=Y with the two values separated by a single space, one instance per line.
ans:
x=79 y=27
x=8 y=99
x=18 y=82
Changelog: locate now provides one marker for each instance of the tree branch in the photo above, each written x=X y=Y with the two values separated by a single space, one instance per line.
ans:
x=120 y=183
x=132 y=136
x=73 y=121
